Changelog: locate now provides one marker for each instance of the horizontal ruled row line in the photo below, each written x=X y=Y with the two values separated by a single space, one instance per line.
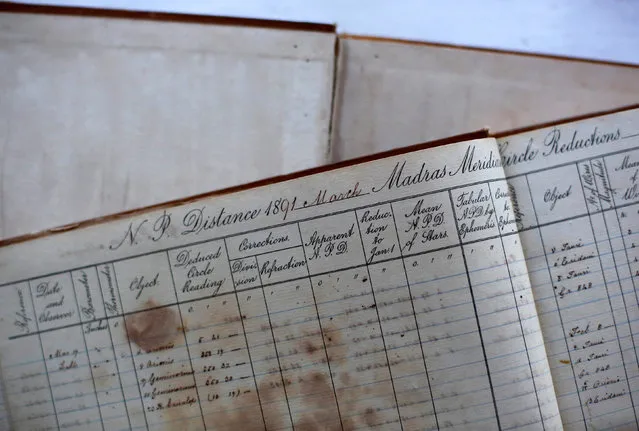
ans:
x=470 y=271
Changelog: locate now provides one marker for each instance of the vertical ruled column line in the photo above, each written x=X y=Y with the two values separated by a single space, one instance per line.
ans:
x=625 y=247
x=419 y=336
x=277 y=355
x=248 y=351
x=86 y=349
x=126 y=331
x=612 y=313
x=521 y=326
x=623 y=297
x=472 y=296
x=115 y=356
x=561 y=322
x=381 y=330
x=319 y=322
x=186 y=343
x=46 y=370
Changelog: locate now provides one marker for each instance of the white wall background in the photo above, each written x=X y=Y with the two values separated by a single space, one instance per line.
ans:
x=595 y=29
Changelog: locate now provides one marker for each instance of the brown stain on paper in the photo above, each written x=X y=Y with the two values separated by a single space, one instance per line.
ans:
x=244 y=418
x=157 y=328
x=317 y=386
x=324 y=406
x=153 y=329
x=336 y=347
x=370 y=417
x=268 y=390
x=183 y=419
x=309 y=347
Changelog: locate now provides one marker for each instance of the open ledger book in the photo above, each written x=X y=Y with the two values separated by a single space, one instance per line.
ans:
x=452 y=287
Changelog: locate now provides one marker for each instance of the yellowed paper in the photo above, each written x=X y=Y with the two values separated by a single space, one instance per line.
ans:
x=392 y=294
x=576 y=198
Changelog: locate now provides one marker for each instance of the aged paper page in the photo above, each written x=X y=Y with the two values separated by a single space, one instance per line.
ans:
x=391 y=294
x=119 y=109
x=576 y=197
x=396 y=93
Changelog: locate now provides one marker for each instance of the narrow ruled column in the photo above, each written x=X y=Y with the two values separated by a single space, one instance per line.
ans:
x=27 y=392
x=215 y=335
x=581 y=341
x=122 y=351
x=531 y=286
x=298 y=337
x=396 y=311
x=65 y=353
x=101 y=354
x=446 y=316
x=622 y=224
x=267 y=365
x=157 y=343
x=497 y=316
x=598 y=198
x=538 y=248
x=349 y=317
x=533 y=381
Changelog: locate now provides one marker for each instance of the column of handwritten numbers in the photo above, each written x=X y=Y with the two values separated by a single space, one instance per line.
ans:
x=247 y=276
x=395 y=307
x=598 y=197
x=26 y=383
x=446 y=318
x=121 y=349
x=153 y=327
x=351 y=330
x=589 y=382
x=100 y=351
x=506 y=355
x=65 y=353
x=215 y=337
x=621 y=181
x=514 y=212
x=298 y=339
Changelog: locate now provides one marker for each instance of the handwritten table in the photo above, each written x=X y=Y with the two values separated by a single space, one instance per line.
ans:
x=402 y=314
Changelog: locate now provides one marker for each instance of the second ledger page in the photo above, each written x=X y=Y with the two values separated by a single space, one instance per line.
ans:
x=576 y=196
